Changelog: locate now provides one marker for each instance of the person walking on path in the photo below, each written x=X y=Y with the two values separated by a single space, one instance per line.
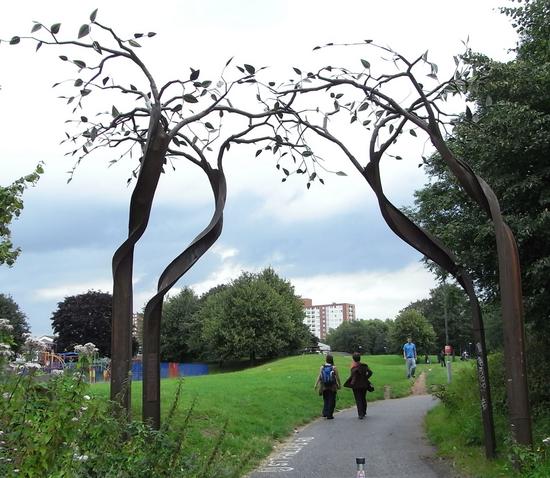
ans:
x=328 y=382
x=359 y=382
x=409 y=354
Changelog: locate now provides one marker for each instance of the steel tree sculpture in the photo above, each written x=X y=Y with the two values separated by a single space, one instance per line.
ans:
x=159 y=124
x=369 y=102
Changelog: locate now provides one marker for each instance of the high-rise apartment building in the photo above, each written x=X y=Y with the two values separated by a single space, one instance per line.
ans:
x=321 y=318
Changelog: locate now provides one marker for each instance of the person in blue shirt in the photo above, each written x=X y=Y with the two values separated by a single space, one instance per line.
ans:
x=409 y=354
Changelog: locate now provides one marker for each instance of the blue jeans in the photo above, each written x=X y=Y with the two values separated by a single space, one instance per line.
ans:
x=411 y=367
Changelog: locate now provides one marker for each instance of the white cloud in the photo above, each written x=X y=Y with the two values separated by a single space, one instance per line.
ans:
x=226 y=273
x=224 y=252
x=61 y=291
x=376 y=294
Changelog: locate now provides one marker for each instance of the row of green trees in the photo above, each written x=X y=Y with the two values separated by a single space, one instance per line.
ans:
x=256 y=316
x=423 y=320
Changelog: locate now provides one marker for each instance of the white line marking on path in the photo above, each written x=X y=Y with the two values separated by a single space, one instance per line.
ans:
x=280 y=462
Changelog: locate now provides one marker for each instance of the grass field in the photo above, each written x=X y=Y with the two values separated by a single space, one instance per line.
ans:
x=261 y=405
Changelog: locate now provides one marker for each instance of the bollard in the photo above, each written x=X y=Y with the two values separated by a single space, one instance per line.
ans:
x=360 y=468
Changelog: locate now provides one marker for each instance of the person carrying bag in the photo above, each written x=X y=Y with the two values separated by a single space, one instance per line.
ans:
x=359 y=382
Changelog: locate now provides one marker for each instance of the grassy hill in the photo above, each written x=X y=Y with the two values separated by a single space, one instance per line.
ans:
x=259 y=406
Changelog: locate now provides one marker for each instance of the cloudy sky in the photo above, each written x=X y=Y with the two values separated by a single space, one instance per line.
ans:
x=329 y=241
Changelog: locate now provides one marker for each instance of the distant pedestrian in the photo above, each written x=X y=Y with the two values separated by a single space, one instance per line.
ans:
x=359 y=382
x=409 y=354
x=442 y=358
x=328 y=382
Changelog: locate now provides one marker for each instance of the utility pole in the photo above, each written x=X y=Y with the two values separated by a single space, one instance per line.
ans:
x=449 y=371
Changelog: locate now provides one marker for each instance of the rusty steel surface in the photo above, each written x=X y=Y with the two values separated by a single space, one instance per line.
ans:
x=510 y=292
x=428 y=245
x=140 y=209
x=153 y=310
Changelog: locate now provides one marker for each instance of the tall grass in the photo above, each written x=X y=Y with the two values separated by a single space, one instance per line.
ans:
x=456 y=428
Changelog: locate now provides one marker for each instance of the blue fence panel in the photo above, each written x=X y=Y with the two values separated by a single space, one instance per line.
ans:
x=190 y=369
x=137 y=370
x=185 y=370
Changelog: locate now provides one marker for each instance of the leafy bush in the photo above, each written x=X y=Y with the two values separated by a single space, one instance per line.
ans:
x=51 y=426
x=463 y=415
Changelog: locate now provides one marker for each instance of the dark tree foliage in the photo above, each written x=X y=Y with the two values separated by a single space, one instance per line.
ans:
x=10 y=310
x=411 y=323
x=84 y=318
x=257 y=315
x=364 y=336
x=179 y=328
x=507 y=141
x=450 y=300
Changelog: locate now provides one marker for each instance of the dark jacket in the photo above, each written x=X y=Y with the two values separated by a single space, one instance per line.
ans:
x=359 y=377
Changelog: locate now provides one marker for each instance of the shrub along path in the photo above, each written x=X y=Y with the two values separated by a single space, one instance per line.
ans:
x=391 y=439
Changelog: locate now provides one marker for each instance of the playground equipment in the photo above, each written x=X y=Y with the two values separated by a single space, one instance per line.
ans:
x=51 y=361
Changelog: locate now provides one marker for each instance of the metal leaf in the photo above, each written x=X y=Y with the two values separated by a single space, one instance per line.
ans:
x=93 y=15
x=190 y=99
x=97 y=47
x=194 y=74
x=84 y=30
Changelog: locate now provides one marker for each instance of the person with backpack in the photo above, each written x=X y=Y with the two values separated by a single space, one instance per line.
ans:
x=328 y=382
x=359 y=382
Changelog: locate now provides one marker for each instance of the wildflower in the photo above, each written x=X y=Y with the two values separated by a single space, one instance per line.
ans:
x=57 y=372
x=546 y=441
x=77 y=457
x=5 y=350
x=86 y=349
x=31 y=366
x=74 y=419
x=83 y=408
x=86 y=397
x=16 y=470
x=6 y=395
x=5 y=325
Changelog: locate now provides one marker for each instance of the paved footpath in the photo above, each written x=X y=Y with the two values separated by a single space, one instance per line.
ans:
x=391 y=439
